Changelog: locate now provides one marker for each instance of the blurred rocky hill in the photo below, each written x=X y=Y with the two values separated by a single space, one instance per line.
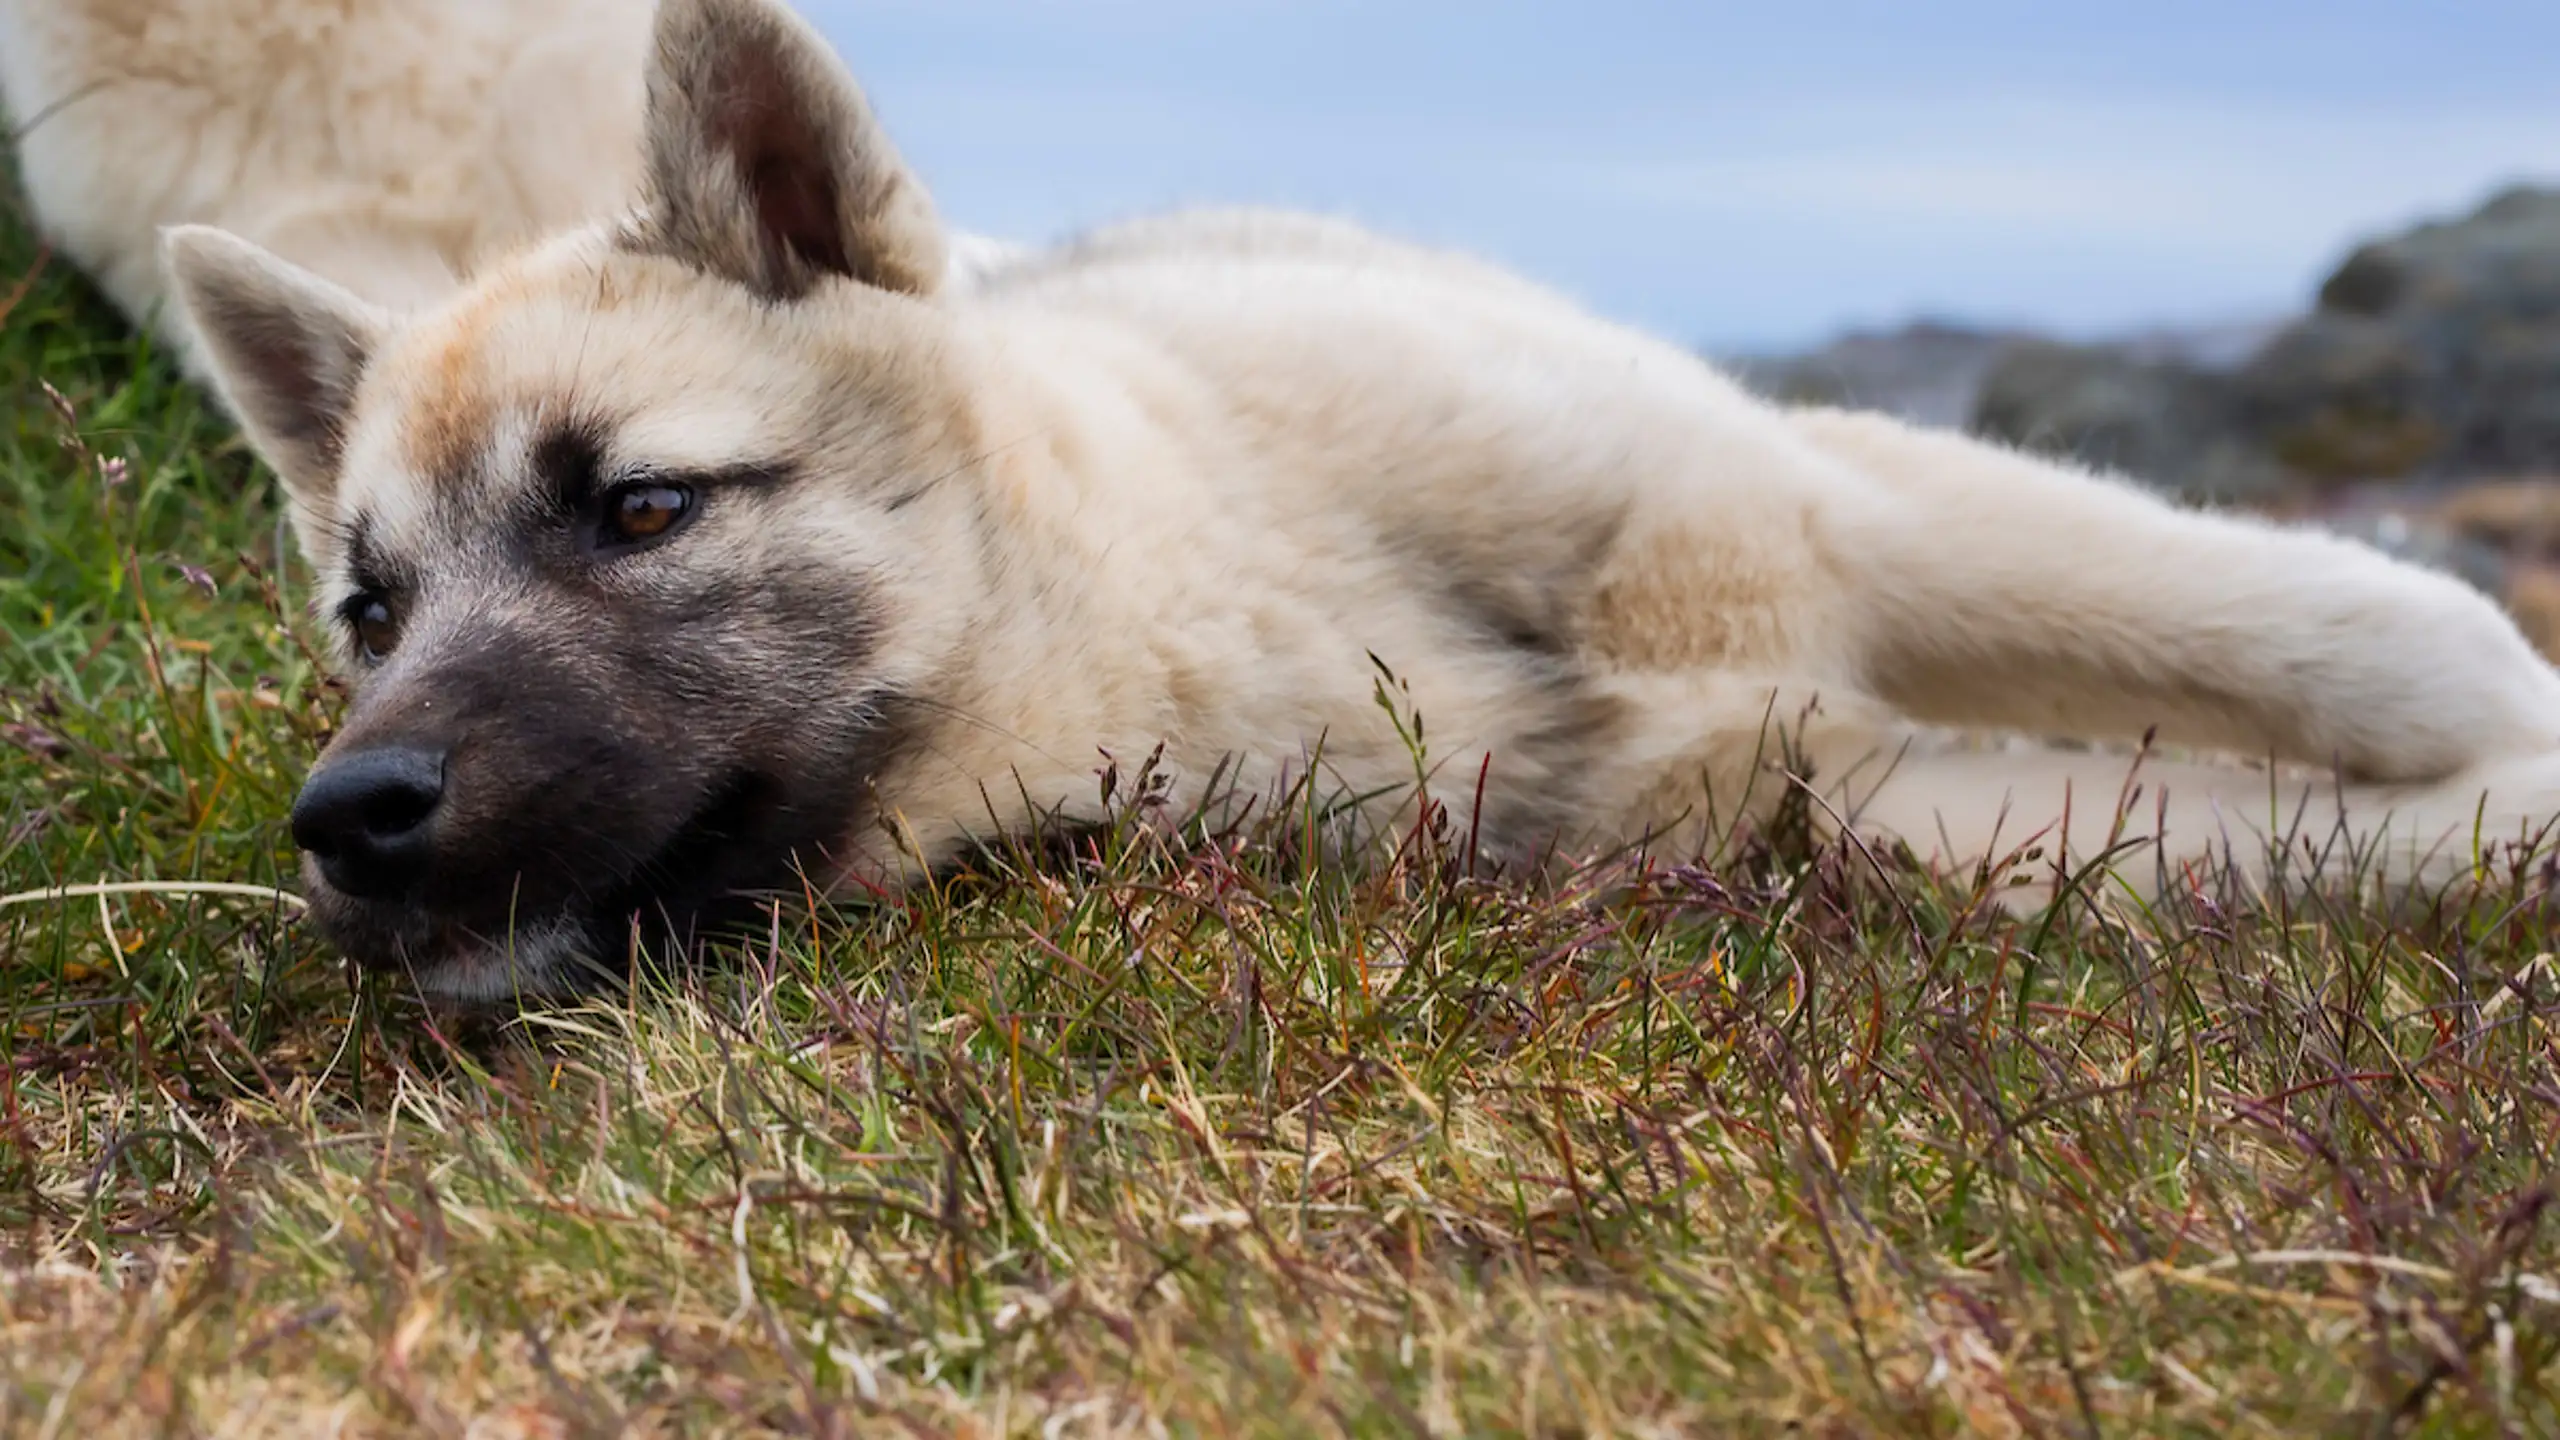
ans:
x=1935 y=371
x=2416 y=405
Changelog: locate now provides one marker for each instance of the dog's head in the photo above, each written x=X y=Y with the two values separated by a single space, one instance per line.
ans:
x=644 y=551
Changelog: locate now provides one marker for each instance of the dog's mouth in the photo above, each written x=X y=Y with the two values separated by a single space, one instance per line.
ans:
x=710 y=879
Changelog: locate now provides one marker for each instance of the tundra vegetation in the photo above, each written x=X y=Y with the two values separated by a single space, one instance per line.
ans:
x=1148 y=1133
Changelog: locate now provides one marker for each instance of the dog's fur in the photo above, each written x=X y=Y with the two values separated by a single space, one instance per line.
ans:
x=1184 y=483
x=392 y=146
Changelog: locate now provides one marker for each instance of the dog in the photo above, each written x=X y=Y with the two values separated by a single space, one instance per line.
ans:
x=735 y=535
x=392 y=146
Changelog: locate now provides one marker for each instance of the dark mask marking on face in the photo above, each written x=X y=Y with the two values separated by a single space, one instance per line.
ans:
x=368 y=568
x=568 y=465
x=760 y=839
x=667 y=756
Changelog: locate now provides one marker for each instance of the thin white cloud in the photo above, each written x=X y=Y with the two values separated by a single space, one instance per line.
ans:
x=2238 y=184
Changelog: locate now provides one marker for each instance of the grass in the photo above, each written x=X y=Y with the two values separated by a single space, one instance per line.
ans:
x=1159 y=1141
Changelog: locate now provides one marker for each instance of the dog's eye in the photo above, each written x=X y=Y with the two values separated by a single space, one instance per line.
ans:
x=638 y=513
x=377 y=629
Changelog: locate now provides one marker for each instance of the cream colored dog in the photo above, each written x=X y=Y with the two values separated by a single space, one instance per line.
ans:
x=390 y=145
x=726 y=533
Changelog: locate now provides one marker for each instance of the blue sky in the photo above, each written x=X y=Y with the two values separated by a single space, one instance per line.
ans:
x=1750 y=175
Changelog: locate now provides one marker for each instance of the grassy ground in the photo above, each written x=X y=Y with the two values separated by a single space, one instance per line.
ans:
x=1151 y=1142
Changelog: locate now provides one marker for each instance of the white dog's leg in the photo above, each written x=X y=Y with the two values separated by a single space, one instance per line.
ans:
x=1996 y=591
x=2154 y=821
x=1727 y=754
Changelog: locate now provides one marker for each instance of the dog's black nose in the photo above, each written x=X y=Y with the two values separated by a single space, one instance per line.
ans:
x=364 y=818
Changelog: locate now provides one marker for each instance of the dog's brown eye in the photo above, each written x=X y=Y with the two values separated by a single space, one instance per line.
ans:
x=637 y=513
x=377 y=629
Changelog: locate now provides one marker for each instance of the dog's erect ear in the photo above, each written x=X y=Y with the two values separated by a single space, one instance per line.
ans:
x=765 y=164
x=286 y=349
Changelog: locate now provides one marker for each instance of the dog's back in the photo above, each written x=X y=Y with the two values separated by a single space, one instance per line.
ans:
x=387 y=144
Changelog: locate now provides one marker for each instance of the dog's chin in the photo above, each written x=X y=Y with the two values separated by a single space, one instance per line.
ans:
x=451 y=962
x=699 y=885
x=543 y=963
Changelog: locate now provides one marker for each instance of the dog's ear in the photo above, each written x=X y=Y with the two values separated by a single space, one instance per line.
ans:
x=765 y=164
x=286 y=349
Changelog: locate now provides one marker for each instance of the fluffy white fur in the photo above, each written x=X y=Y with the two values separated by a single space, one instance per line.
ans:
x=1200 y=470
x=389 y=145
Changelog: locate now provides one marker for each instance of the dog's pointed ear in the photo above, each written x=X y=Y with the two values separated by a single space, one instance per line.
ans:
x=286 y=349
x=766 y=165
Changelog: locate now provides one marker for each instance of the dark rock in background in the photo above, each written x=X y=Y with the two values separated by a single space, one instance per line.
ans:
x=2149 y=405
x=2410 y=528
x=1930 y=372
x=2432 y=355
x=2414 y=407
x=2165 y=421
x=2435 y=353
